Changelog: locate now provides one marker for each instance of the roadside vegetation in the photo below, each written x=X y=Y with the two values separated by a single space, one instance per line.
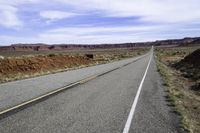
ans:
x=180 y=68
x=26 y=66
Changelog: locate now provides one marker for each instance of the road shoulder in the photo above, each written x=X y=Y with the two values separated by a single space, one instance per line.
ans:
x=153 y=112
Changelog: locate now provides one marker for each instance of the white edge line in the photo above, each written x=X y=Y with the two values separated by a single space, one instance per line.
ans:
x=130 y=116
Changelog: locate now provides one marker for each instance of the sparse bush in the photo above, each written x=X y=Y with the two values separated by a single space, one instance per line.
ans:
x=51 y=55
x=196 y=87
x=90 y=56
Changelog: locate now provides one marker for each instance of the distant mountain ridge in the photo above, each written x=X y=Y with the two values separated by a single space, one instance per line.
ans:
x=45 y=47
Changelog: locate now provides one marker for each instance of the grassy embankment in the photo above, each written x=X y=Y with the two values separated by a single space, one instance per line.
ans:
x=184 y=99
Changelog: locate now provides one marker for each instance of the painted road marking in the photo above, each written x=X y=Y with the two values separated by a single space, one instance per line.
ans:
x=130 y=116
x=38 y=98
x=88 y=79
x=62 y=89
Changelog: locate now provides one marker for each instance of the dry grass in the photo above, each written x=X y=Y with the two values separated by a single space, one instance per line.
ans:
x=21 y=67
x=185 y=100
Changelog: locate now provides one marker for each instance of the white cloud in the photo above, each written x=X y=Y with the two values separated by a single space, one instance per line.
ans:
x=9 y=13
x=173 y=16
x=53 y=15
x=99 y=35
x=149 y=10
x=89 y=35
x=8 y=17
x=165 y=11
x=101 y=30
x=17 y=2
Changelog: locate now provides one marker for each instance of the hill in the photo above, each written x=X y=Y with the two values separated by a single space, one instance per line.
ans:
x=57 y=47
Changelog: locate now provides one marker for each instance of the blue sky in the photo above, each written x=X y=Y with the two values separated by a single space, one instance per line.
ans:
x=97 y=21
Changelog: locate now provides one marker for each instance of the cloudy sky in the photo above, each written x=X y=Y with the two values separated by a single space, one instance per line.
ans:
x=97 y=21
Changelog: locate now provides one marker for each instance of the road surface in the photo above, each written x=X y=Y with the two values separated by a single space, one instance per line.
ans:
x=16 y=92
x=102 y=105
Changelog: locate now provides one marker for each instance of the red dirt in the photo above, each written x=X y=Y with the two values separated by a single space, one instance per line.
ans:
x=31 y=65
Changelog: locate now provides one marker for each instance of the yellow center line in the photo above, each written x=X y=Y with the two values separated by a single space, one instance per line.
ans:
x=55 y=91
x=36 y=99
x=46 y=95
x=88 y=79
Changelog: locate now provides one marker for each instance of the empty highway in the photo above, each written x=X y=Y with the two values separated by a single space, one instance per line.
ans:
x=131 y=98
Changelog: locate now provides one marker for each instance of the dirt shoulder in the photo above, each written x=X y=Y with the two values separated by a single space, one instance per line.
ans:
x=21 y=67
x=184 y=99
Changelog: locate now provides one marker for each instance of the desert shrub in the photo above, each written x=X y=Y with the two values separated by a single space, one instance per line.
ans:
x=196 y=87
x=91 y=56
x=51 y=55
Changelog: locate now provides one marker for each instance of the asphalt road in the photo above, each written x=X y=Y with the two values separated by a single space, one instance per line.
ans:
x=101 y=105
x=13 y=93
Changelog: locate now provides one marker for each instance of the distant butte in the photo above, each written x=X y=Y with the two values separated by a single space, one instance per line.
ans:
x=46 y=47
